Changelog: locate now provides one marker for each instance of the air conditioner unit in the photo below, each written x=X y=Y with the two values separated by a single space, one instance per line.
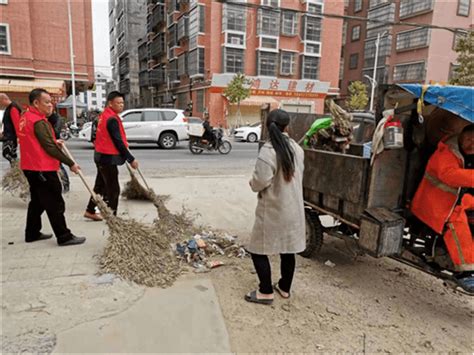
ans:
x=236 y=41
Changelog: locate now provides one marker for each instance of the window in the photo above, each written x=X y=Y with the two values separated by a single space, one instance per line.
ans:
x=357 y=5
x=268 y=23
x=457 y=36
x=312 y=48
x=409 y=72
x=452 y=71
x=172 y=36
x=235 y=39
x=310 y=68
x=196 y=62
x=3 y=2
x=151 y=116
x=413 y=39
x=355 y=36
x=311 y=28
x=289 y=23
x=94 y=94
x=267 y=63
x=375 y=3
x=200 y=100
x=233 y=60
x=133 y=117
x=464 y=7
x=168 y=115
x=315 y=9
x=382 y=13
x=182 y=65
x=410 y=8
x=353 y=61
x=269 y=43
x=196 y=21
x=183 y=25
x=272 y=3
x=234 y=18
x=287 y=63
x=5 y=39
x=385 y=48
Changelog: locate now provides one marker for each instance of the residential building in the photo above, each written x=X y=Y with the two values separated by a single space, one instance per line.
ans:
x=96 y=97
x=406 y=53
x=34 y=48
x=286 y=48
x=127 y=24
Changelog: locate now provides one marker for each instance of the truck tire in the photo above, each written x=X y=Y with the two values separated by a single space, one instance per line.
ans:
x=314 y=234
x=167 y=140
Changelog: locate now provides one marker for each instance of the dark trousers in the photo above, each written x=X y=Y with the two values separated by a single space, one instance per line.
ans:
x=264 y=272
x=107 y=185
x=45 y=192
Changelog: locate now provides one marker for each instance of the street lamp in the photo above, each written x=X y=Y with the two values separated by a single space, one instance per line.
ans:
x=73 y=77
x=373 y=80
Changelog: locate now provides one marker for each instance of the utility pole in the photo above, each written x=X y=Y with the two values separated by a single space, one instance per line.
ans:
x=73 y=76
x=374 y=75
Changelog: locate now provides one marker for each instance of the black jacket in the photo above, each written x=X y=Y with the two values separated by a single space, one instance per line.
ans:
x=9 y=133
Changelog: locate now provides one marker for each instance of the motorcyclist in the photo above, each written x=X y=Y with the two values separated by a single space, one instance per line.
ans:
x=209 y=132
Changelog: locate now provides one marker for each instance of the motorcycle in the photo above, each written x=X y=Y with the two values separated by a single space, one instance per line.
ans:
x=74 y=130
x=198 y=144
x=65 y=134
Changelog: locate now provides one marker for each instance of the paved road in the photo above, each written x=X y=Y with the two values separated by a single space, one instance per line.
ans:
x=156 y=162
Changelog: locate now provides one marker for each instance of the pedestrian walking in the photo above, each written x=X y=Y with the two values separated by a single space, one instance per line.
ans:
x=111 y=150
x=11 y=118
x=40 y=156
x=279 y=218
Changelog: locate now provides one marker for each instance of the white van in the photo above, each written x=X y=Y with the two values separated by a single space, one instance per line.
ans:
x=166 y=127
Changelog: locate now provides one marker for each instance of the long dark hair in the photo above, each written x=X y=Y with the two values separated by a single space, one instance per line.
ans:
x=277 y=121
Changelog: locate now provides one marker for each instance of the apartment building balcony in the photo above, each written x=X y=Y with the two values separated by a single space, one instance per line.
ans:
x=156 y=18
x=122 y=48
x=158 y=46
x=124 y=66
x=124 y=86
x=143 y=78
x=157 y=76
x=143 y=52
x=119 y=6
x=112 y=37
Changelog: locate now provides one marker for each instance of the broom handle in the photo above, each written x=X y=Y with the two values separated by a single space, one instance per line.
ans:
x=81 y=175
x=143 y=178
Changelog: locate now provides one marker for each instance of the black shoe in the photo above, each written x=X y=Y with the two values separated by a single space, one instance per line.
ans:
x=40 y=237
x=72 y=241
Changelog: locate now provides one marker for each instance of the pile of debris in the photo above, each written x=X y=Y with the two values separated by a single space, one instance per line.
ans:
x=14 y=181
x=198 y=251
x=336 y=137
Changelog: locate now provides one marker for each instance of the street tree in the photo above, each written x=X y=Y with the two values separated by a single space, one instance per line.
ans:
x=358 y=98
x=464 y=73
x=237 y=91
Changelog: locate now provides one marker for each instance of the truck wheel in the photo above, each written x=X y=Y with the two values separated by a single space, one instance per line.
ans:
x=167 y=141
x=314 y=234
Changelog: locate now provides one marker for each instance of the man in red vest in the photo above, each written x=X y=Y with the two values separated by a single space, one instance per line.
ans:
x=40 y=156
x=111 y=150
x=444 y=200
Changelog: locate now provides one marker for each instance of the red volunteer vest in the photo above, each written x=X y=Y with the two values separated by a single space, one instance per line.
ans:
x=32 y=155
x=103 y=141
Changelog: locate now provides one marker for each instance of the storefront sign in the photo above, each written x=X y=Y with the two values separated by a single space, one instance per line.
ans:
x=276 y=86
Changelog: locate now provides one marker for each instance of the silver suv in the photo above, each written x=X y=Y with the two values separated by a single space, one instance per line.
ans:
x=166 y=127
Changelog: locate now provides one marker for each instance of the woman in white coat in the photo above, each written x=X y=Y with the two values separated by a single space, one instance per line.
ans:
x=279 y=218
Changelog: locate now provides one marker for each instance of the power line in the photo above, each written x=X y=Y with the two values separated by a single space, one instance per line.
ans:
x=346 y=17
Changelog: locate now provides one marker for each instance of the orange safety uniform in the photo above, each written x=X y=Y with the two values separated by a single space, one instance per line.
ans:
x=436 y=202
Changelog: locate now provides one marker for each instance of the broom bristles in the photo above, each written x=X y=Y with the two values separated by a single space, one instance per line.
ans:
x=15 y=182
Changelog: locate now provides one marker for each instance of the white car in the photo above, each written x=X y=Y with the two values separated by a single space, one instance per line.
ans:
x=166 y=127
x=248 y=133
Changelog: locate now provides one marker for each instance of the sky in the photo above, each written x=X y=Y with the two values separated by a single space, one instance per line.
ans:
x=100 y=26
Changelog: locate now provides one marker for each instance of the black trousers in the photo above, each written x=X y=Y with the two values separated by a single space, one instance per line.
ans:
x=107 y=185
x=45 y=191
x=264 y=272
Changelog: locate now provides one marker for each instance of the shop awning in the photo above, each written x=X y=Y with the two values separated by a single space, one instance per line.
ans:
x=15 y=85
x=259 y=101
x=68 y=103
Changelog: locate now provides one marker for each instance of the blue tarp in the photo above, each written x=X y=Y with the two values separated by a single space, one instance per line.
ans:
x=456 y=99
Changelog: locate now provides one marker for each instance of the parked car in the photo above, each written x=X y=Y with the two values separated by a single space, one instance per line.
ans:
x=166 y=127
x=249 y=133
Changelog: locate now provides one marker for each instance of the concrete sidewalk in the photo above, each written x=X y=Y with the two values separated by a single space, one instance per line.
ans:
x=51 y=294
